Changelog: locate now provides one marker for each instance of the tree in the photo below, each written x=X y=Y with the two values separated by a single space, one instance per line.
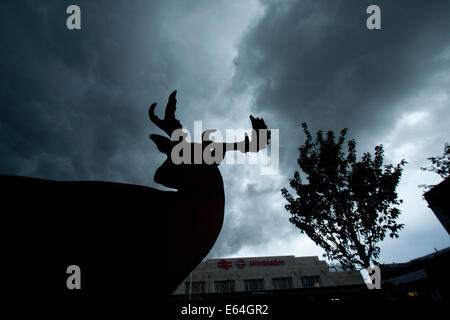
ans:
x=439 y=165
x=347 y=206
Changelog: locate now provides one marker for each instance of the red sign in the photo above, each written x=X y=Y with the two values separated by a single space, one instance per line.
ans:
x=240 y=263
x=224 y=264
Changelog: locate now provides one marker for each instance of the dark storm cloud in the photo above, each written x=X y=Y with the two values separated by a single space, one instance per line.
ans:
x=250 y=218
x=316 y=61
x=67 y=103
x=74 y=103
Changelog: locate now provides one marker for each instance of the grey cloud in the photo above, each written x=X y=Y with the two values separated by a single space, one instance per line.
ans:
x=316 y=61
x=73 y=104
x=254 y=212
x=65 y=104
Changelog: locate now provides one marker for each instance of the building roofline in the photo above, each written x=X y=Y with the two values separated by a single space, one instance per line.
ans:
x=260 y=257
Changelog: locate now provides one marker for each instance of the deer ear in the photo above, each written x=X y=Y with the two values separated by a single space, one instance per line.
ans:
x=163 y=144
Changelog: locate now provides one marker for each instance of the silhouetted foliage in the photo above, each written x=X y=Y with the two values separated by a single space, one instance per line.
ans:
x=440 y=165
x=347 y=206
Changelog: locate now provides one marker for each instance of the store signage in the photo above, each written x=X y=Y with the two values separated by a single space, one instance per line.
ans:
x=225 y=264
x=276 y=262
x=240 y=264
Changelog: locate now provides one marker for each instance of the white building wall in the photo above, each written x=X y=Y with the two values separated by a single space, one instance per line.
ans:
x=267 y=268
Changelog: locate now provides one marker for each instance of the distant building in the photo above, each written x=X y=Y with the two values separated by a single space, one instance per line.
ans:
x=257 y=274
x=438 y=199
x=424 y=278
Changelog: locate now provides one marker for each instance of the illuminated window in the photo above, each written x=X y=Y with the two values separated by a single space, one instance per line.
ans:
x=254 y=284
x=224 y=286
x=412 y=294
x=310 y=282
x=282 y=283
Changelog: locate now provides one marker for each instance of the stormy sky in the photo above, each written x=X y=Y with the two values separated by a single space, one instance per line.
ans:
x=73 y=103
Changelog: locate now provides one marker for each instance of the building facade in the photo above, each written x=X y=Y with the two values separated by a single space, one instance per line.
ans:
x=264 y=273
x=438 y=201
x=424 y=278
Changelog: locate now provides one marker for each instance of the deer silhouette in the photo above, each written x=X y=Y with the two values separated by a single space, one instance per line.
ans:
x=126 y=239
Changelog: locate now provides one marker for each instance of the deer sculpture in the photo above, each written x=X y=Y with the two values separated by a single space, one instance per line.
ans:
x=126 y=239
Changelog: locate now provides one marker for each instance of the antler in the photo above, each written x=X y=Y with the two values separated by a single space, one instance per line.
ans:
x=258 y=141
x=169 y=124
x=260 y=133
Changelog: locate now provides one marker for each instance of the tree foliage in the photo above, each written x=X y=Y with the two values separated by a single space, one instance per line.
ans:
x=439 y=165
x=346 y=206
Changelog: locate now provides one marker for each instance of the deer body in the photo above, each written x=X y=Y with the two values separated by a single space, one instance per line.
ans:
x=128 y=240
x=107 y=229
x=197 y=221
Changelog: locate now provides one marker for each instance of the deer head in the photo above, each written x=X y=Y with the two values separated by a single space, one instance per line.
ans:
x=187 y=175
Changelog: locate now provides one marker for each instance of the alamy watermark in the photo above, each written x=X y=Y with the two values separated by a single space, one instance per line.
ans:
x=73 y=21
x=254 y=150
x=375 y=277
x=74 y=280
